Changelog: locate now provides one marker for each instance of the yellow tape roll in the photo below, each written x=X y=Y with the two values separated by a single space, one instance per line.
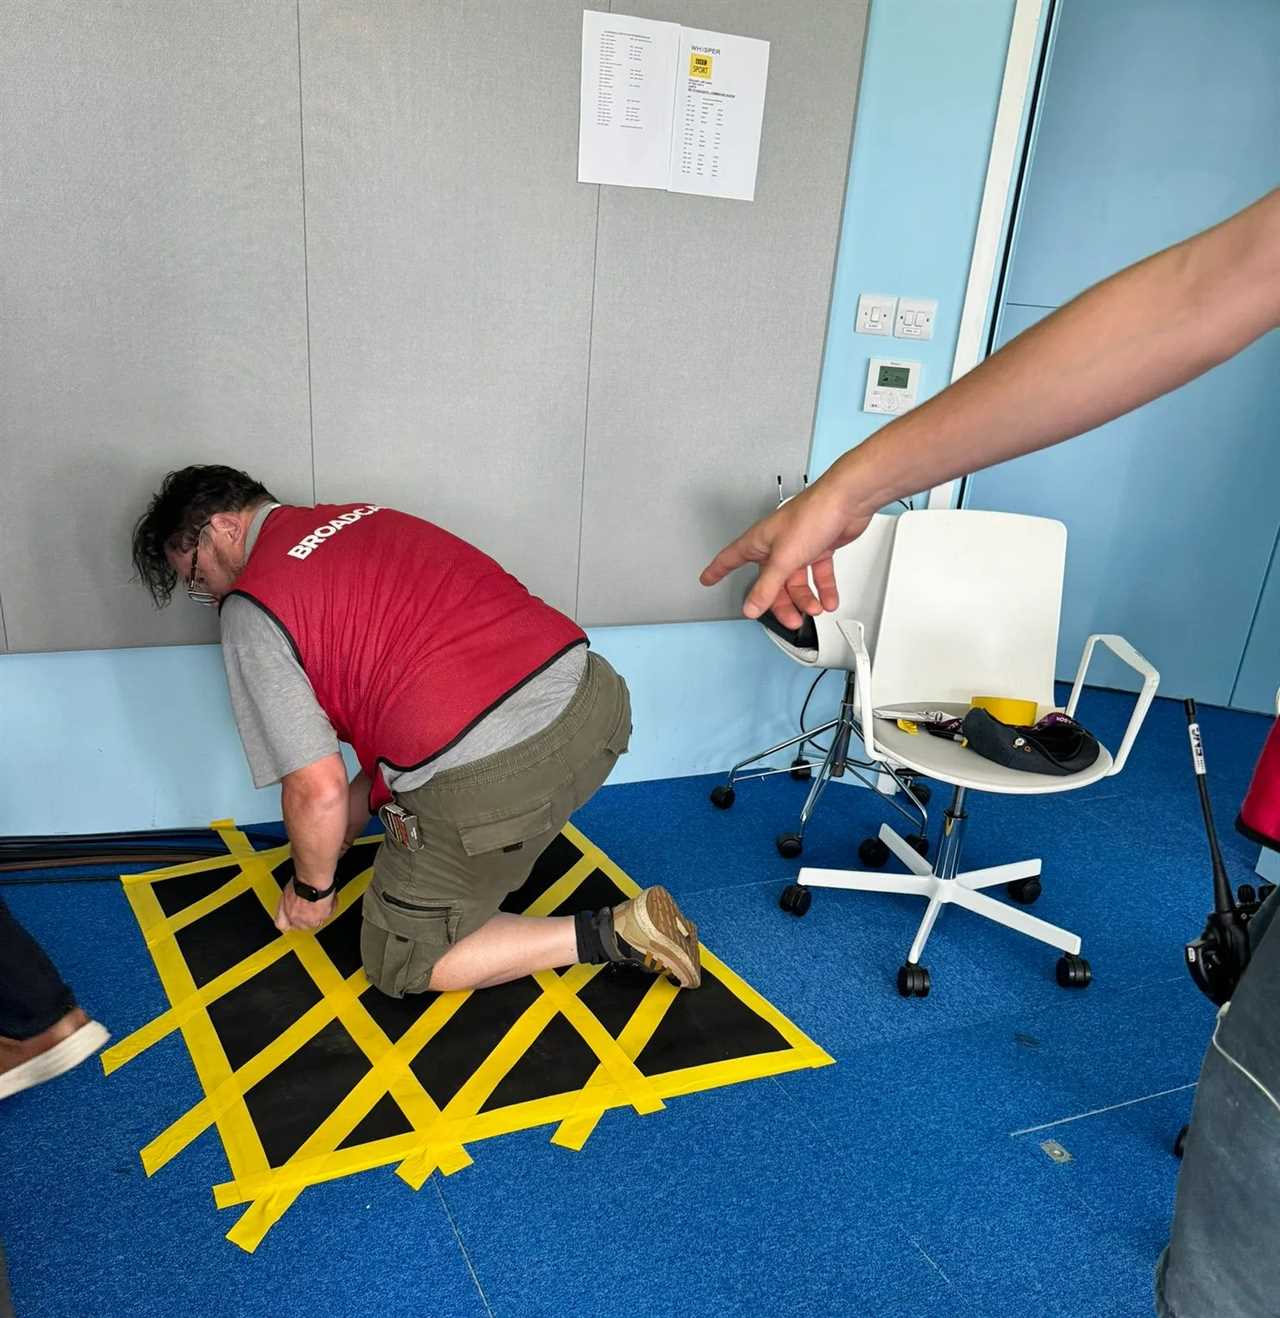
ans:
x=1016 y=713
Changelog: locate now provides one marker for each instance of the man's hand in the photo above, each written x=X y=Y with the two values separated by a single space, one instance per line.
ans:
x=295 y=913
x=800 y=535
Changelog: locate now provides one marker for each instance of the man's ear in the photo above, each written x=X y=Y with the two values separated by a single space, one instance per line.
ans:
x=228 y=525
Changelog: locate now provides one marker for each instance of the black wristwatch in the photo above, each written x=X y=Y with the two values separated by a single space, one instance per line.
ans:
x=310 y=894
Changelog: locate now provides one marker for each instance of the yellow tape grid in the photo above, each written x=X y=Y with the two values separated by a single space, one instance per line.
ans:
x=438 y=1136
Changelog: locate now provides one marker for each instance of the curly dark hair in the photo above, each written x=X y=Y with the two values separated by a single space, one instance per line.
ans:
x=186 y=500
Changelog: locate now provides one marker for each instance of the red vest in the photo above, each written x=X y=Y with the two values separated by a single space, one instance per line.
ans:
x=408 y=635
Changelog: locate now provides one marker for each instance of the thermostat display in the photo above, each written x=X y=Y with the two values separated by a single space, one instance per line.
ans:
x=892 y=386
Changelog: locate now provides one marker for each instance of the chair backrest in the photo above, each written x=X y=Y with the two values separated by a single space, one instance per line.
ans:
x=862 y=570
x=971 y=609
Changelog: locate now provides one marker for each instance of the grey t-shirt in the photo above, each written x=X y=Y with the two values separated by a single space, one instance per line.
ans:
x=283 y=728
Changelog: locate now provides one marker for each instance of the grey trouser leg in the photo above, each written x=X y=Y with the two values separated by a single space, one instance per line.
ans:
x=1222 y=1260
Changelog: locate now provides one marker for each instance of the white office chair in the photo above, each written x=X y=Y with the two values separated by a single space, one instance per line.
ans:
x=861 y=570
x=971 y=609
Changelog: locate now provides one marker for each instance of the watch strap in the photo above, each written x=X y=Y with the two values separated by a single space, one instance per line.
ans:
x=310 y=894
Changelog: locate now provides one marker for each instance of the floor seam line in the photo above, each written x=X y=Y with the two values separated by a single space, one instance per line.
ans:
x=466 y=1256
x=1100 y=1111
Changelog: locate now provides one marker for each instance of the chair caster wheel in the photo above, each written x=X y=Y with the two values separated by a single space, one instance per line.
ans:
x=873 y=853
x=1024 y=891
x=722 y=797
x=1246 y=895
x=1180 y=1143
x=918 y=842
x=795 y=899
x=922 y=792
x=801 y=770
x=789 y=845
x=913 y=981
x=1074 y=972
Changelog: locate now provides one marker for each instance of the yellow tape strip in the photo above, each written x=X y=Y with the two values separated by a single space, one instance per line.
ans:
x=438 y=1138
x=180 y=1133
x=715 y=1075
x=748 y=996
x=504 y=1121
x=620 y=1068
x=273 y=857
x=478 y=1087
x=389 y=1069
x=198 y=910
x=600 y=861
x=239 y=1138
x=563 y=888
x=153 y=1031
x=574 y=1131
x=319 y=1158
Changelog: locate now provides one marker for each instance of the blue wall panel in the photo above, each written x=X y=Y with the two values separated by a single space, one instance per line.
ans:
x=1158 y=119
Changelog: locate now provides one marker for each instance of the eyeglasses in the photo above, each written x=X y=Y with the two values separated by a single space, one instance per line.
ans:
x=194 y=594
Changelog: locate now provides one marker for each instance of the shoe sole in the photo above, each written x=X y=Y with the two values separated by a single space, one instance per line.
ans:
x=68 y=1053
x=672 y=938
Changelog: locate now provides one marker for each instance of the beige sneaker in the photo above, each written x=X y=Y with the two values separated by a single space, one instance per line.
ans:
x=66 y=1043
x=660 y=936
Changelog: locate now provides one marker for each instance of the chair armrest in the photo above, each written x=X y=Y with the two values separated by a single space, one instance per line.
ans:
x=1150 y=680
x=853 y=632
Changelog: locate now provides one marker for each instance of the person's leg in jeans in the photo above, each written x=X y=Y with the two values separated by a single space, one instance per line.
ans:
x=42 y=1030
x=1220 y=1260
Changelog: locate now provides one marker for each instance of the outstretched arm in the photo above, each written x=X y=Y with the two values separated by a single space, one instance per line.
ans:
x=1127 y=340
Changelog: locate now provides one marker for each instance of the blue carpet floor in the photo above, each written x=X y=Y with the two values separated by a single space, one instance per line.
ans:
x=906 y=1180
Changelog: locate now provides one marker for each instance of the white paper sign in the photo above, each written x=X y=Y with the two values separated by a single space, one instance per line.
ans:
x=624 y=132
x=715 y=144
x=669 y=107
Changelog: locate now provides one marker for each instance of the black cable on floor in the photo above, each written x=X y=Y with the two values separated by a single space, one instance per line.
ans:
x=22 y=856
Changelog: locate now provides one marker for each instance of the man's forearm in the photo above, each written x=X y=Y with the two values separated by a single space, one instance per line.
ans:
x=1135 y=336
x=317 y=828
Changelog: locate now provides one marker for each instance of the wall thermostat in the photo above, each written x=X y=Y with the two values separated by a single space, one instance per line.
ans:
x=892 y=386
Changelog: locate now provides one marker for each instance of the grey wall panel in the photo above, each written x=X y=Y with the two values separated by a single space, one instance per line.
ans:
x=450 y=259
x=708 y=330
x=152 y=285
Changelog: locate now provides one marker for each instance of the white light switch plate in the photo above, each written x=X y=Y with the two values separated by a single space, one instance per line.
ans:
x=915 y=318
x=875 y=313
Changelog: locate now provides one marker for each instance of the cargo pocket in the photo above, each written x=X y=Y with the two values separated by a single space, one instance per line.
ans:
x=401 y=941
x=506 y=835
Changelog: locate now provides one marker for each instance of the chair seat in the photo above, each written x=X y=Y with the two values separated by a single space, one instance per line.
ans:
x=949 y=762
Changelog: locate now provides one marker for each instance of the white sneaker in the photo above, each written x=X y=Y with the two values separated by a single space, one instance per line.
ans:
x=66 y=1043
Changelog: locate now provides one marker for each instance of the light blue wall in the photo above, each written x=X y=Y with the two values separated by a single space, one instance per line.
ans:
x=1160 y=118
x=130 y=739
x=926 y=110
x=112 y=740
